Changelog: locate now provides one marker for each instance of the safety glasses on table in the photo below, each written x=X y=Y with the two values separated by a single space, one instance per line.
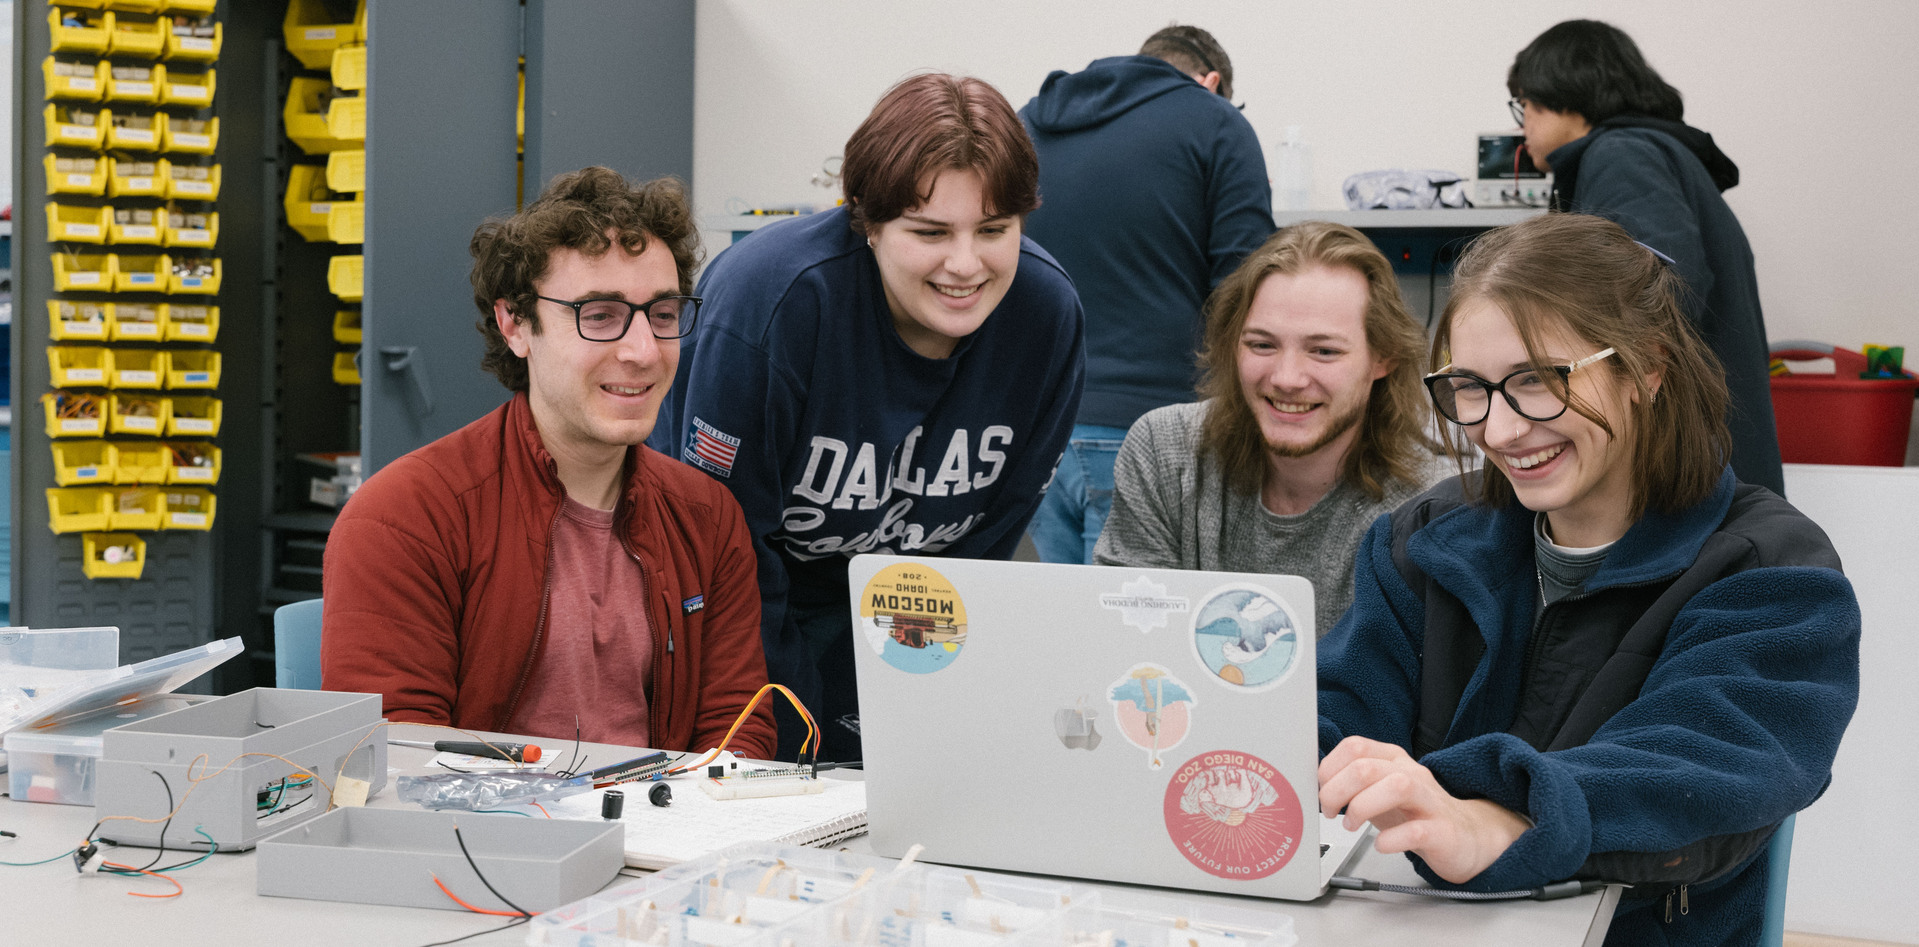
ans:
x=1466 y=399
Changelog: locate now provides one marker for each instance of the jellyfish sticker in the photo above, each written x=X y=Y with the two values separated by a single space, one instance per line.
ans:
x=1153 y=710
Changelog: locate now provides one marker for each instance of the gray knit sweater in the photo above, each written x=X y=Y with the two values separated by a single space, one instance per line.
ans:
x=1172 y=511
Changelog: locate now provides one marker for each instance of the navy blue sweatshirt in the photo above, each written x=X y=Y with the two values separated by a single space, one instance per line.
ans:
x=1152 y=190
x=1661 y=181
x=796 y=391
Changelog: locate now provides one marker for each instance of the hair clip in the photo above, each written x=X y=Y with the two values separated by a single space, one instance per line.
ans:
x=1661 y=257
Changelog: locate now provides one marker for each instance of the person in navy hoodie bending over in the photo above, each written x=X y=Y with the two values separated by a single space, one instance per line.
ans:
x=899 y=374
x=1599 y=656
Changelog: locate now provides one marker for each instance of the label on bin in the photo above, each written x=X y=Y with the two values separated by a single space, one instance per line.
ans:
x=79 y=426
x=80 y=180
x=193 y=425
x=180 y=92
x=140 y=424
x=190 y=282
x=133 y=88
x=192 y=473
x=190 y=140
x=140 y=232
x=196 y=378
x=189 y=519
x=141 y=279
x=193 y=237
x=198 y=44
x=138 y=184
x=87 y=473
x=184 y=329
x=84 y=279
x=139 y=330
x=139 y=377
x=133 y=134
x=85 y=374
x=77 y=131
x=83 y=85
x=83 y=230
x=319 y=32
x=319 y=209
x=192 y=187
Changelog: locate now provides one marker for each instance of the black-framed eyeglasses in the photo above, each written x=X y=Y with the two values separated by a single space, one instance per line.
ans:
x=1517 y=106
x=606 y=320
x=1467 y=400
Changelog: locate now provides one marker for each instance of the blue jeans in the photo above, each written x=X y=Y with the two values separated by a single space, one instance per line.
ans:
x=1074 y=510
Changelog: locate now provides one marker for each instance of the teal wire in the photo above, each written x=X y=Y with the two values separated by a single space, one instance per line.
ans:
x=213 y=848
x=66 y=854
x=505 y=812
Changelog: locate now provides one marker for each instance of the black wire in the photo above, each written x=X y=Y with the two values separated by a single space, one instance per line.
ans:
x=163 y=826
x=491 y=930
x=476 y=870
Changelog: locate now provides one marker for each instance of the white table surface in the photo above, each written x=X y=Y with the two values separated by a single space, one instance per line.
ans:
x=51 y=904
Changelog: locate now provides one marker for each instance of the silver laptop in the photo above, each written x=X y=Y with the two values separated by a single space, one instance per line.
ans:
x=1148 y=726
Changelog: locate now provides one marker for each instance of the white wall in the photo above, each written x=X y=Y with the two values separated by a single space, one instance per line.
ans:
x=1852 y=851
x=1814 y=102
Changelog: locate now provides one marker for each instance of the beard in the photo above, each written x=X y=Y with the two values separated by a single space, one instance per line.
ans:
x=1336 y=426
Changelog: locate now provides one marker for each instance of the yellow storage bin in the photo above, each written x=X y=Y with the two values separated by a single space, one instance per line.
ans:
x=67 y=320
x=199 y=417
x=191 y=228
x=86 y=176
x=304 y=117
x=193 y=182
x=135 y=132
x=349 y=67
x=66 y=79
x=187 y=508
x=195 y=42
x=76 y=127
x=140 y=462
x=82 y=462
x=78 y=509
x=83 y=271
x=194 y=89
x=200 y=7
x=192 y=136
x=73 y=414
x=346 y=118
x=80 y=4
x=80 y=366
x=136 y=508
x=193 y=369
x=192 y=323
x=346 y=326
x=346 y=369
x=140 y=272
x=135 y=82
x=193 y=462
x=130 y=178
x=196 y=275
x=137 y=6
x=137 y=322
x=137 y=414
x=346 y=171
x=345 y=275
x=112 y=555
x=79 y=31
x=70 y=224
x=311 y=34
x=308 y=202
x=137 y=225
x=346 y=222
x=138 y=35
x=137 y=368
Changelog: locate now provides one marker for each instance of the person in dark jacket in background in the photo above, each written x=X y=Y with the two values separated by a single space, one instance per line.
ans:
x=1153 y=190
x=1612 y=133
x=1598 y=656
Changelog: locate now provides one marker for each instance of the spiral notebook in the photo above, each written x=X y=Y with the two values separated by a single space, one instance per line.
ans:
x=697 y=824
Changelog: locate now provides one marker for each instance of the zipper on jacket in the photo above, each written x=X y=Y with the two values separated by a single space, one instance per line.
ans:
x=1534 y=640
x=1685 y=902
x=539 y=630
x=653 y=721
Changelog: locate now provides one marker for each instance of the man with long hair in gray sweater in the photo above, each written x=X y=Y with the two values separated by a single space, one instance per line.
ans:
x=1313 y=424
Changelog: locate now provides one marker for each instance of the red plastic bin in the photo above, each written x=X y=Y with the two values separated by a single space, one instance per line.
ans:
x=1840 y=418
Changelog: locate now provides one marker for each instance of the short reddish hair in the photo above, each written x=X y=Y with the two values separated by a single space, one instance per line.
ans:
x=931 y=123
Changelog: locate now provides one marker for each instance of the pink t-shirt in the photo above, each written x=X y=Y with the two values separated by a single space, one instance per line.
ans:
x=598 y=654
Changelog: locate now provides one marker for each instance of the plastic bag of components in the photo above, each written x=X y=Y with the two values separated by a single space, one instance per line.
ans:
x=488 y=790
x=1398 y=189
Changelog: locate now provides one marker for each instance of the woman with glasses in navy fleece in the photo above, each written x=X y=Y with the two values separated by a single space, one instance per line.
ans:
x=1598 y=656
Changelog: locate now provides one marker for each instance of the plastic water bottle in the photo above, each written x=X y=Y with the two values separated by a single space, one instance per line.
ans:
x=1293 y=184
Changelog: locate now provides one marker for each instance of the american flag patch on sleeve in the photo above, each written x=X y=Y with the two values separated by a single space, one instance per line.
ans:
x=711 y=450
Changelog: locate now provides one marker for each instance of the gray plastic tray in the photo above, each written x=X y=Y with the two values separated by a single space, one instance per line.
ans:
x=383 y=856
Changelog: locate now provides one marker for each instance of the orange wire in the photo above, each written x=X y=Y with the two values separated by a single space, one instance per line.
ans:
x=812 y=731
x=177 y=890
x=458 y=901
x=536 y=805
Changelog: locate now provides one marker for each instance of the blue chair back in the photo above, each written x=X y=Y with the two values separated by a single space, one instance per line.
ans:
x=1778 y=865
x=296 y=645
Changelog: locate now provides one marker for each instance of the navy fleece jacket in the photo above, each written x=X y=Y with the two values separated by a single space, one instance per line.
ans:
x=1734 y=728
x=1152 y=190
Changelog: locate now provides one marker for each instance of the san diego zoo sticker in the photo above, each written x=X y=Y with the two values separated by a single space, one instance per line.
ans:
x=1233 y=815
x=1246 y=636
x=913 y=618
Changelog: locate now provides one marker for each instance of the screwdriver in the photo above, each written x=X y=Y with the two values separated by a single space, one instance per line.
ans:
x=514 y=752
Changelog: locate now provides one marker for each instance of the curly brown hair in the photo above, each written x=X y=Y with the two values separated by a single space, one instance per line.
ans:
x=1392 y=442
x=575 y=212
